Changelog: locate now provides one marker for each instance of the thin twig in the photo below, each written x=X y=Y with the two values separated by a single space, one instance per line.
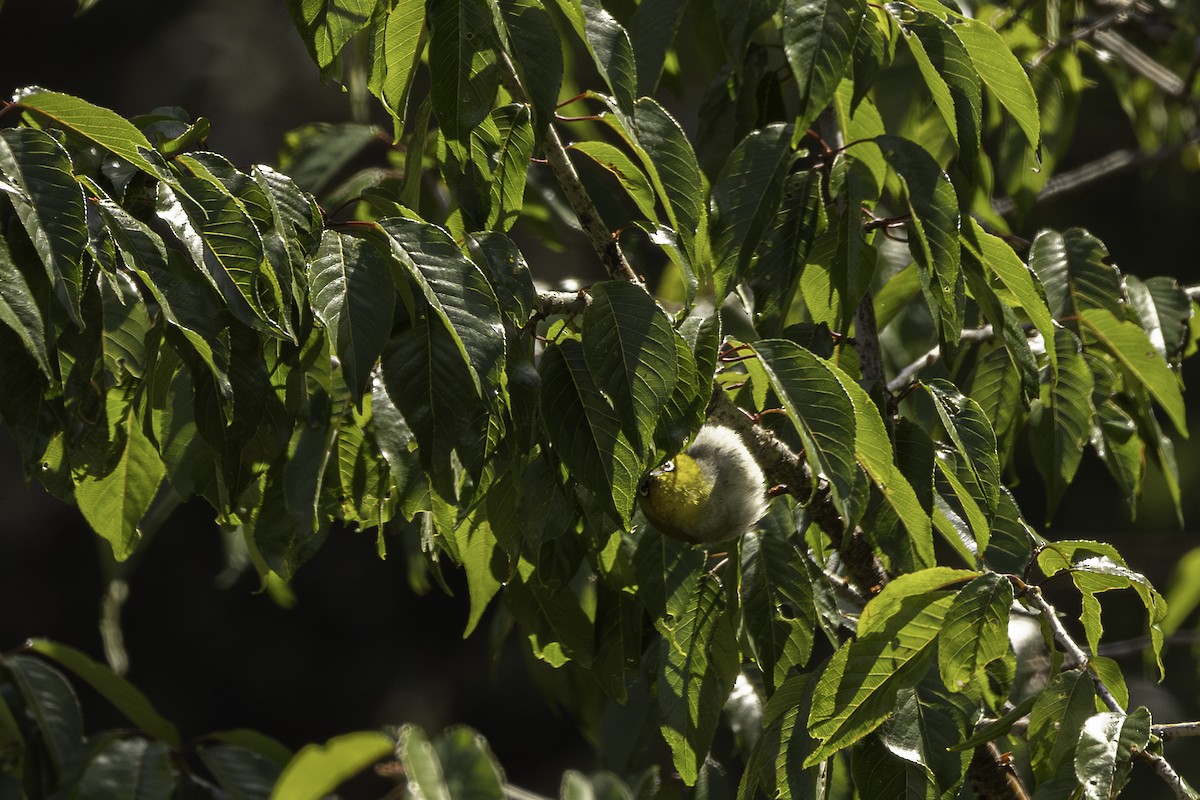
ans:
x=909 y=374
x=1078 y=655
x=1175 y=730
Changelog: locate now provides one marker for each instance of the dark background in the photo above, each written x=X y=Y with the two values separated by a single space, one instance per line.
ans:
x=360 y=650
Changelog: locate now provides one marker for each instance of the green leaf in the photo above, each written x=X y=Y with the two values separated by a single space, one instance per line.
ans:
x=1104 y=755
x=124 y=696
x=19 y=310
x=775 y=274
x=536 y=52
x=745 y=199
x=457 y=293
x=244 y=774
x=818 y=40
x=933 y=227
x=318 y=769
x=951 y=61
x=1002 y=74
x=553 y=618
x=698 y=663
x=462 y=64
x=670 y=162
x=476 y=548
x=50 y=205
x=873 y=449
x=1164 y=310
x=896 y=637
x=130 y=768
x=975 y=631
x=1072 y=269
x=114 y=501
x=53 y=707
x=972 y=436
x=470 y=768
x=1116 y=441
x=99 y=126
x=1129 y=345
x=821 y=410
x=350 y=284
x=651 y=33
x=512 y=163
x=630 y=175
x=611 y=52
x=629 y=345
x=1096 y=567
x=315 y=154
x=1064 y=425
x=777 y=605
x=422 y=767
x=943 y=101
x=396 y=52
x=1055 y=723
x=326 y=25
x=1019 y=287
x=584 y=430
x=224 y=244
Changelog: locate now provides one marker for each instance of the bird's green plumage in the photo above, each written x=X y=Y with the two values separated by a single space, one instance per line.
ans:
x=711 y=492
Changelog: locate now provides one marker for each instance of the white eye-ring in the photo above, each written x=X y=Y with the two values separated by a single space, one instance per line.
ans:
x=668 y=466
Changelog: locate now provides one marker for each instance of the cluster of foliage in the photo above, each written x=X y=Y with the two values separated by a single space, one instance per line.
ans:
x=175 y=326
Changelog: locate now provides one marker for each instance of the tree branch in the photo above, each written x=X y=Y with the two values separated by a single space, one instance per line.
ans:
x=601 y=238
x=550 y=303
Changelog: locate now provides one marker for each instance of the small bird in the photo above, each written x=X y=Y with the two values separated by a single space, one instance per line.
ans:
x=712 y=491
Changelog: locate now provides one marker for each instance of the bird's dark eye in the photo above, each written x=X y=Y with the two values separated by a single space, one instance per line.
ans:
x=668 y=466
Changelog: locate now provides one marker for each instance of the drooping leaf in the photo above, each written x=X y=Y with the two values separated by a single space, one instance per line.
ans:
x=318 y=769
x=115 y=500
x=651 y=34
x=584 y=430
x=818 y=39
x=630 y=350
x=975 y=630
x=1002 y=74
x=53 y=708
x=327 y=25
x=1104 y=755
x=1064 y=424
x=896 y=637
x=744 y=201
x=352 y=293
x=126 y=697
x=536 y=52
x=396 y=37
x=777 y=605
x=1129 y=344
x=933 y=227
x=818 y=405
x=1056 y=721
x=49 y=203
x=124 y=765
x=462 y=62
x=698 y=663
